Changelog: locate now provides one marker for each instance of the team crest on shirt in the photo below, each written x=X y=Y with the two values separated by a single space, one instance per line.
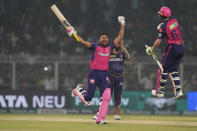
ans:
x=103 y=54
x=172 y=26
x=92 y=81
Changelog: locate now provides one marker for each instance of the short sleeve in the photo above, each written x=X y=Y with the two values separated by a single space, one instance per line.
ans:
x=93 y=46
x=162 y=31
x=112 y=45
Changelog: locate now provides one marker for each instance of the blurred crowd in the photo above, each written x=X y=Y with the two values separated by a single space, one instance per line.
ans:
x=30 y=28
x=41 y=76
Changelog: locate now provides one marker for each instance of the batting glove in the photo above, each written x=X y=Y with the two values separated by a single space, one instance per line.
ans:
x=149 y=50
x=121 y=20
x=70 y=31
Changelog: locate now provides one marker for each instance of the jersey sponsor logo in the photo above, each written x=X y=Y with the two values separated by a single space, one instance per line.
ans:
x=111 y=56
x=115 y=59
x=172 y=26
x=103 y=54
x=92 y=81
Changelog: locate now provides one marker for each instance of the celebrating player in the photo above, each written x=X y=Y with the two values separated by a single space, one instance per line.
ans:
x=98 y=75
x=169 y=29
x=116 y=76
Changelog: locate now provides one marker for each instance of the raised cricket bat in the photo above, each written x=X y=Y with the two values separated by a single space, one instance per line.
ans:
x=156 y=59
x=62 y=19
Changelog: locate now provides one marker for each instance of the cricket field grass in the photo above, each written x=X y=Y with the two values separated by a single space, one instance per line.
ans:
x=33 y=122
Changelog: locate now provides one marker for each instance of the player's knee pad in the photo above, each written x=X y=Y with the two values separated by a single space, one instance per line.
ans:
x=174 y=75
x=162 y=79
x=164 y=75
x=107 y=94
x=175 y=79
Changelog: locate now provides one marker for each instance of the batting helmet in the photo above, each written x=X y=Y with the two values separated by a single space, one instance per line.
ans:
x=165 y=11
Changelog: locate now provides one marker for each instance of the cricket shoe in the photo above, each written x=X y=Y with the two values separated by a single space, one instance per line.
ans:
x=179 y=93
x=78 y=91
x=158 y=94
x=101 y=122
x=95 y=116
x=117 y=117
x=79 y=88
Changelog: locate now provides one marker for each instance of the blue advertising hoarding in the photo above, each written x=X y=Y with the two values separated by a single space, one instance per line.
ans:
x=192 y=101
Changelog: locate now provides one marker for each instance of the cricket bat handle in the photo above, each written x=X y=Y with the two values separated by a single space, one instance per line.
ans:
x=76 y=37
x=156 y=59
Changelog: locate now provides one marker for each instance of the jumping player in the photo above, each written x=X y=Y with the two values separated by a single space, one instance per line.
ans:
x=174 y=52
x=116 y=76
x=98 y=75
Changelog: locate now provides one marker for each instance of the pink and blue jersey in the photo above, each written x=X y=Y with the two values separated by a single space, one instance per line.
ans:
x=100 y=56
x=98 y=75
x=171 y=31
x=174 y=51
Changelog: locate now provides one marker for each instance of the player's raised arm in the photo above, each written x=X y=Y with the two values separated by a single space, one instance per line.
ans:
x=83 y=42
x=71 y=31
x=127 y=55
x=121 y=20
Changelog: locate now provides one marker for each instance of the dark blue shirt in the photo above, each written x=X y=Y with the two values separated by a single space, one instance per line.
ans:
x=116 y=63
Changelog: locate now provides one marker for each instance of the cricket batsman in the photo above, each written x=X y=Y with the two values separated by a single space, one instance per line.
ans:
x=174 y=52
x=98 y=76
x=116 y=76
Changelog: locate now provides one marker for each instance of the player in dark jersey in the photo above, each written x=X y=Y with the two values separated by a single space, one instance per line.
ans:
x=174 y=52
x=116 y=76
x=98 y=76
